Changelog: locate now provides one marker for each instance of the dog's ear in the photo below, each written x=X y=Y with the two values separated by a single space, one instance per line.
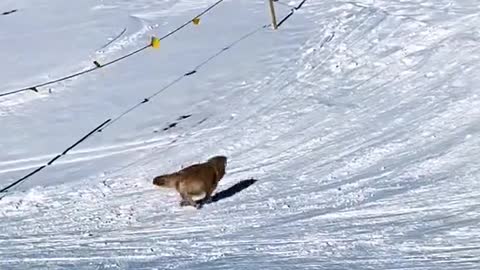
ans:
x=218 y=159
x=223 y=161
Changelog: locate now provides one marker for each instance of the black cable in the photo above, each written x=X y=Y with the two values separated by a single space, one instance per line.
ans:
x=291 y=13
x=7 y=188
x=187 y=23
x=181 y=77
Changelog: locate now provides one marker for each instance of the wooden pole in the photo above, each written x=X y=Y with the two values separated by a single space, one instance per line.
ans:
x=272 y=12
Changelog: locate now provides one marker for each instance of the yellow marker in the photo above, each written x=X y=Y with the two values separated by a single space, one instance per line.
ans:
x=196 y=21
x=155 y=42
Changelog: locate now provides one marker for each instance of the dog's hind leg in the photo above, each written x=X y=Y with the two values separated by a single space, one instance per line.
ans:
x=187 y=200
x=208 y=195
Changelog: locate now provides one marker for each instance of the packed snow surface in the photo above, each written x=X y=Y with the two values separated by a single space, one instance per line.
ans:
x=359 y=121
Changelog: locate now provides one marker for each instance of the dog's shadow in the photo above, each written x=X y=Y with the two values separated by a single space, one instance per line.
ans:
x=229 y=192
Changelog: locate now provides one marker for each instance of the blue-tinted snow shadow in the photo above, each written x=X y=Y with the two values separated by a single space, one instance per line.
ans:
x=229 y=192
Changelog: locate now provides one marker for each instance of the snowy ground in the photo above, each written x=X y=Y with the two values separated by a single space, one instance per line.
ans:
x=360 y=121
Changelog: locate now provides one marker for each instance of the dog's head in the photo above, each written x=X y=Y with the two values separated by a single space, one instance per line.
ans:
x=219 y=163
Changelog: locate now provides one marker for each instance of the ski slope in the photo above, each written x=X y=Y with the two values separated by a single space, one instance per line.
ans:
x=352 y=134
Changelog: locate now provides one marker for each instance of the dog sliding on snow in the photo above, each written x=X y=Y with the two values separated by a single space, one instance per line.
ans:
x=195 y=180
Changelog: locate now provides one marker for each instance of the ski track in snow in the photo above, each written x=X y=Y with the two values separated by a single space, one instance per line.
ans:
x=363 y=139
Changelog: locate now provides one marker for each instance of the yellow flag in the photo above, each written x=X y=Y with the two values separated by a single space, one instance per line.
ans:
x=155 y=42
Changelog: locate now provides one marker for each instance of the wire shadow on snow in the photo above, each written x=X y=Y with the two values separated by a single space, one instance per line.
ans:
x=9 y=12
x=114 y=39
x=229 y=192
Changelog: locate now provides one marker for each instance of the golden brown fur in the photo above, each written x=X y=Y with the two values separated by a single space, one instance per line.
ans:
x=195 y=180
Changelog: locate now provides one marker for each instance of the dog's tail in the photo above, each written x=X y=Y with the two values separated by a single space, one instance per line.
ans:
x=168 y=181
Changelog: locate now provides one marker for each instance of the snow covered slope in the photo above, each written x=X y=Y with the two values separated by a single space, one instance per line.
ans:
x=359 y=121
